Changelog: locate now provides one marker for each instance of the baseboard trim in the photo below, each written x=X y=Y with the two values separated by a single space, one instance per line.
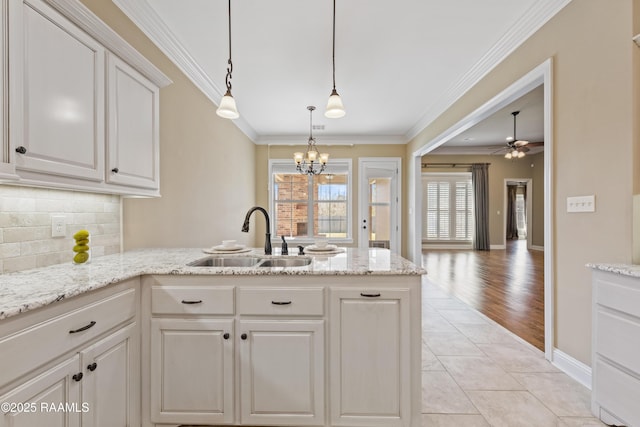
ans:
x=572 y=367
x=537 y=248
x=498 y=247
x=445 y=246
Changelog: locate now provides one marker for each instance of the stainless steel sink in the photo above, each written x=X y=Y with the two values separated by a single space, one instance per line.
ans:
x=285 y=262
x=220 y=261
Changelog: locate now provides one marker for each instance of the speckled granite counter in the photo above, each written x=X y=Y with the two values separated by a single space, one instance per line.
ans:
x=631 y=270
x=30 y=289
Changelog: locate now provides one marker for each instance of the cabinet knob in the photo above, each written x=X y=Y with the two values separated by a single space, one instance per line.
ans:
x=21 y=150
x=115 y=170
x=243 y=336
x=77 y=377
x=92 y=367
x=226 y=335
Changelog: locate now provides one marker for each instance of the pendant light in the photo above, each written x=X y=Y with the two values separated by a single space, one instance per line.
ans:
x=312 y=162
x=335 y=109
x=227 y=108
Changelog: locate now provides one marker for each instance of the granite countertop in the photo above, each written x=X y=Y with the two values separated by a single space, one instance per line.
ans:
x=631 y=270
x=30 y=289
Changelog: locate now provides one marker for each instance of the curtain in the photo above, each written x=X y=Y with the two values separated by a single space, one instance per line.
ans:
x=480 y=182
x=512 y=219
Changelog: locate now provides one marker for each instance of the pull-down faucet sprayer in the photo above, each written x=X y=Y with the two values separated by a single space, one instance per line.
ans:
x=267 y=237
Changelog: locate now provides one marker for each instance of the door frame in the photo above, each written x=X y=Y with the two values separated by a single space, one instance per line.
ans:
x=542 y=74
x=363 y=198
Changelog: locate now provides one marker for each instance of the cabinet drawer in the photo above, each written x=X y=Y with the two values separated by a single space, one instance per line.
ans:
x=617 y=392
x=281 y=301
x=194 y=300
x=31 y=347
x=618 y=338
x=617 y=292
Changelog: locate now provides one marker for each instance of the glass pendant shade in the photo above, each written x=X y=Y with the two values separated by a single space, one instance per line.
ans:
x=508 y=155
x=335 y=109
x=521 y=154
x=227 y=108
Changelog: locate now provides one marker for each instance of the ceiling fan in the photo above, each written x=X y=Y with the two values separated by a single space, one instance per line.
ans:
x=516 y=148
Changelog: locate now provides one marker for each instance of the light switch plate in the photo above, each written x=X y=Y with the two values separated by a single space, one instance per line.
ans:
x=58 y=226
x=581 y=204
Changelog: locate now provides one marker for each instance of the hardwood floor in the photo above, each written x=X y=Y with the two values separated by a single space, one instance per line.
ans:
x=505 y=285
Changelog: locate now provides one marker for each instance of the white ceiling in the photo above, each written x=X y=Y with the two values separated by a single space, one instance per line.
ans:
x=398 y=64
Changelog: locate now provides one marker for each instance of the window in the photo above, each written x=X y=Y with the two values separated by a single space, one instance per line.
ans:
x=447 y=206
x=307 y=206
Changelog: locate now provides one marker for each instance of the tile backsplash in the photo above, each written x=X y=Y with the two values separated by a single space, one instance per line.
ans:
x=25 y=225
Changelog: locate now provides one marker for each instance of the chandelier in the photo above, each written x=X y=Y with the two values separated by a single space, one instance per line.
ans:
x=312 y=162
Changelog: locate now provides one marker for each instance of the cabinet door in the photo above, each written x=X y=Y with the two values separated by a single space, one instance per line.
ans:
x=57 y=101
x=370 y=361
x=7 y=169
x=51 y=399
x=282 y=372
x=132 y=147
x=111 y=380
x=192 y=371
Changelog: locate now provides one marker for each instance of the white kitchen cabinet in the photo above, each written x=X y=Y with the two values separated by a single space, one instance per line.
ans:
x=96 y=336
x=282 y=372
x=111 y=381
x=371 y=363
x=133 y=156
x=57 y=105
x=30 y=403
x=192 y=371
x=7 y=167
x=615 y=347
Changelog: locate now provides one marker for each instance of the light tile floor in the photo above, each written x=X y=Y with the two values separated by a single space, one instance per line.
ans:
x=475 y=373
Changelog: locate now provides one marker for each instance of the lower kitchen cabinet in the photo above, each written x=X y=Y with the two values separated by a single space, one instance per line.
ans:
x=111 y=381
x=282 y=372
x=30 y=403
x=370 y=359
x=192 y=373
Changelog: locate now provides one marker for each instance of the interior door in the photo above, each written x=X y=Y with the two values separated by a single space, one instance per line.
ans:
x=379 y=201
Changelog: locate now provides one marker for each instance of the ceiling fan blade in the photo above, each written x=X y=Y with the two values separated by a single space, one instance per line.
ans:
x=536 y=144
x=524 y=149
x=520 y=143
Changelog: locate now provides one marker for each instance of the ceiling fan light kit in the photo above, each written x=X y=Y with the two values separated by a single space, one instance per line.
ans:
x=516 y=148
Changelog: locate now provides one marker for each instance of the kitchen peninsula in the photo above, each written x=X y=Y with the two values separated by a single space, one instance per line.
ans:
x=144 y=339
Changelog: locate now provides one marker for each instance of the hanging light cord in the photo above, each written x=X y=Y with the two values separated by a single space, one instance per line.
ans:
x=333 y=54
x=311 y=123
x=227 y=79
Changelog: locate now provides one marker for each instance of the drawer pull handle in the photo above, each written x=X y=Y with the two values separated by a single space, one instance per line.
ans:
x=77 y=377
x=226 y=335
x=184 y=301
x=84 y=328
x=369 y=295
x=243 y=336
x=280 y=302
x=92 y=367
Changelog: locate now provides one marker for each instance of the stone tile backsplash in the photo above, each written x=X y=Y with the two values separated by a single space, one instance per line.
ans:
x=25 y=225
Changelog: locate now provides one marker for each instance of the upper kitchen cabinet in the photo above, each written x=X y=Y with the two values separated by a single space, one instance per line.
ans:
x=84 y=104
x=133 y=149
x=7 y=168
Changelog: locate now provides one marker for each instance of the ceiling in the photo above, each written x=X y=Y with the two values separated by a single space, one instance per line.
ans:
x=398 y=64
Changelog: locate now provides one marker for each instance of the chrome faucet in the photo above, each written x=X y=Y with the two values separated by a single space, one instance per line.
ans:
x=267 y=238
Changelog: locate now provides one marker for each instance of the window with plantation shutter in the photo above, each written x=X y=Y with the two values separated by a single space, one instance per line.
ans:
x=447 y=207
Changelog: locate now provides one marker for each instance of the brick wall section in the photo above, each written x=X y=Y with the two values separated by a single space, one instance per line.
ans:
x=292 y=218
x=25 y=225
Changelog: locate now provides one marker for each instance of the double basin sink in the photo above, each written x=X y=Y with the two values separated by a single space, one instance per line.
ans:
x=235 y=261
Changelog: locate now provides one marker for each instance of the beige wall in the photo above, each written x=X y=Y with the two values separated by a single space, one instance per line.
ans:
x=499 y=170
x=207 y=169
x=594 y=140
x=264 y=153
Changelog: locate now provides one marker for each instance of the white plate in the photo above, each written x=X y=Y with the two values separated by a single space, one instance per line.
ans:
x=328 y=248
x=222 y=251
x=228 y=248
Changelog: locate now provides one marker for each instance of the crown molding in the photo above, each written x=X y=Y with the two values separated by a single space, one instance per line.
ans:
x=530 y=22
x=146 y=18
x=332 y=140
x=80 y=15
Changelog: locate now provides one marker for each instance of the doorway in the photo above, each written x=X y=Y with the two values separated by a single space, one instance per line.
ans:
x=541 y=75
x=518 y=199
x=379 y=202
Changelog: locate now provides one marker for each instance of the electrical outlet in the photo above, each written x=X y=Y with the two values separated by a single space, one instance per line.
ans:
x=581 y=204
x=58 y=226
